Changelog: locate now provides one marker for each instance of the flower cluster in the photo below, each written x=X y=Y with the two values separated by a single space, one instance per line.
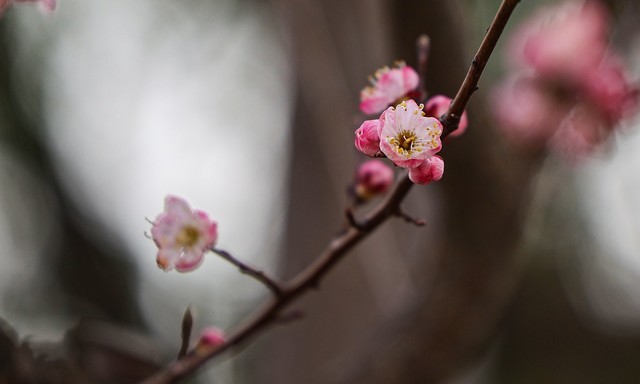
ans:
x=182 y=235
x=406 y=133
x=48 y=5
x=569 y=89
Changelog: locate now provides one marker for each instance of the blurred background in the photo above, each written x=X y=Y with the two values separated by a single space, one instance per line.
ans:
x=528 y=270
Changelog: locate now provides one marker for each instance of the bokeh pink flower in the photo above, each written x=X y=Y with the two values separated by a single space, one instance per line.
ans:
x=389 y=87
x=438 y=105
x=568 y=89
x=182 y=235
x=373 y=177
x=47 y=5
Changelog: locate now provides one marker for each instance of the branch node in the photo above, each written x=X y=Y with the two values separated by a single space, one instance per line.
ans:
x=290 y=317
x=418 y=222
x=352 y=220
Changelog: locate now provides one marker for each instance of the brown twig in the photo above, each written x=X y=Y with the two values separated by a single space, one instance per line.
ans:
x=340 y=245
x=451 y=119
x=410 y=219
x=245 y=268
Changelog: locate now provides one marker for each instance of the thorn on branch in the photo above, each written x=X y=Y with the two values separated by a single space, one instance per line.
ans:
x=410 y=219
x=187 y=327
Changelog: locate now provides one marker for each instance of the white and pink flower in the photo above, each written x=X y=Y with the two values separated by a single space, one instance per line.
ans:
x=438 y=105
x=407 y=136
x=389 y=87
x=182 y=235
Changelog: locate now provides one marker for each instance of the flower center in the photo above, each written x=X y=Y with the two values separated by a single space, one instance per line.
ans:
x=405 y=142
x=188 y=236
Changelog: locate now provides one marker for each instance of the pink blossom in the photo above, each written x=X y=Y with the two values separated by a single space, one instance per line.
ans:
x=182 y=235
x=408 y=137
x=571 y=89
x=525 y=111
x=368 y=137
x=211 y=337
x=373 y=177
x=430 y=170
x=609 y=91
x=48 y=5
x=565 y=40
x=439 y=105
x=390 y=86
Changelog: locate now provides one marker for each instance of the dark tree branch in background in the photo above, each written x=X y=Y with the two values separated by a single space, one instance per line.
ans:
x=340 y=245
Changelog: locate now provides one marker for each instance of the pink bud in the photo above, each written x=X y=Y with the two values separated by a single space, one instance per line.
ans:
x=430 y=170
x=210 y=338
x=373 y=177
x=368 y=137
x=439 y=105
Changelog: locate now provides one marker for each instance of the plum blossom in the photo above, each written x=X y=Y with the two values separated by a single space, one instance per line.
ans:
x=389 y=87
x=182 y=235
x=373 y=177
x=438 y=105
x=569 y=39
x=407 y=136
x=570 y=89
x=48 y=5
x=368 y=137
x=430 y=170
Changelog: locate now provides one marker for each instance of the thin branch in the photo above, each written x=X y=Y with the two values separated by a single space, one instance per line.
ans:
x=451 y=119
x=410 y=219
x=340 y=245
x=245 y=268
